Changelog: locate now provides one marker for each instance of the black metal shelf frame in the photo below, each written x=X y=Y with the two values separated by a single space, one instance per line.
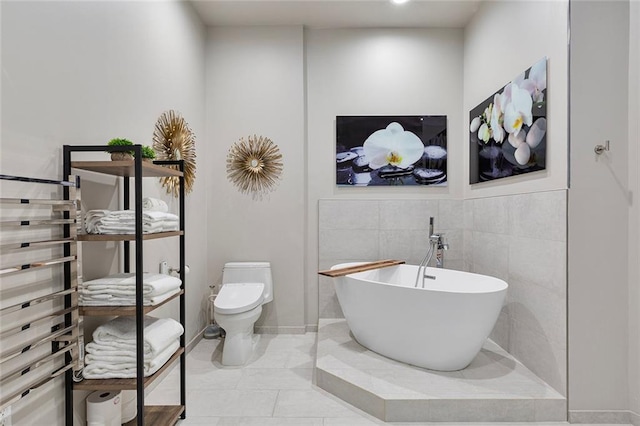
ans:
x=137 y=178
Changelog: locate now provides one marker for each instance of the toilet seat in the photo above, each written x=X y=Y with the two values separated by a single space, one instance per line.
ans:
x=235 y=298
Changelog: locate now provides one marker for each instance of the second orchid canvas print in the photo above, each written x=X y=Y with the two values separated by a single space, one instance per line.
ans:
x=391 y=150
x=507 y=132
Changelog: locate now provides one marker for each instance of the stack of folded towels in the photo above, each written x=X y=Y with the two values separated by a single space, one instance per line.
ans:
x=112 y=354
x=155 y=218
x=120 y=290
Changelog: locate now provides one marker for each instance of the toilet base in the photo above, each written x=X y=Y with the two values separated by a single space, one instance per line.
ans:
x=237 y=350
x=239 y=341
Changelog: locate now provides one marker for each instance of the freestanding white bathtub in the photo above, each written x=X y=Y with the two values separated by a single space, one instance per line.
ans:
x=440 y=327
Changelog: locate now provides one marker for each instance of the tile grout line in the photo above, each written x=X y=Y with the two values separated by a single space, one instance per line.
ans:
x=275 y=404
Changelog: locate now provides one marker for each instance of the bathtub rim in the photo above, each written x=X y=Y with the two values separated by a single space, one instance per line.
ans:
x=500 y=284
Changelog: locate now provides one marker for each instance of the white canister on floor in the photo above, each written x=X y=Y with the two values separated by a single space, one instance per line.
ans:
x=104 y=409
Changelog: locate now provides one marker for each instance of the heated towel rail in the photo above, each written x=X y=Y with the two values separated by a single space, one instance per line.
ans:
x=39 y=333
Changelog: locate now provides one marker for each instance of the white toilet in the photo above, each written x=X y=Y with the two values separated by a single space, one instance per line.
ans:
x=246 y=286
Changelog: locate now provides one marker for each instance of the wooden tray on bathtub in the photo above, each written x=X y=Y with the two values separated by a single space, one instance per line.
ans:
x=340 y=272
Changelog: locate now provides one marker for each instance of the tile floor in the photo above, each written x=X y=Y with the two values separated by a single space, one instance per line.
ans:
x=275 y=388
x=494 y=387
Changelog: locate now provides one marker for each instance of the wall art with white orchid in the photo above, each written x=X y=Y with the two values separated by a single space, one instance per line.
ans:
x=507 y=132
x=391 y=150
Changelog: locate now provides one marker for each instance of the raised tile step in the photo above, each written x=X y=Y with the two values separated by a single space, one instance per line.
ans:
x=494 y=388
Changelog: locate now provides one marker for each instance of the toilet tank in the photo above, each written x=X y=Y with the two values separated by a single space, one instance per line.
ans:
x=249 y=272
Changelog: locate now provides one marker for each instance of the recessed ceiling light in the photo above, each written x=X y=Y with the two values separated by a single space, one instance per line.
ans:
x=399 y=1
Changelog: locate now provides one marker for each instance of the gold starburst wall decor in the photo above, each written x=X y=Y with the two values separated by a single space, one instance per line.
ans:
x=174 y=140
x=254 y=166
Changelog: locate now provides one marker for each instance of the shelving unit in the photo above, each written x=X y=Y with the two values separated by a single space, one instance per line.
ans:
x=136 y=170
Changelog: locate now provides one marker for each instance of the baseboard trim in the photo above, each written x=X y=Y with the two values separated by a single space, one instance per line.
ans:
x=635 y=418
x=602 y=417
x=311 y=328
x=193 y=342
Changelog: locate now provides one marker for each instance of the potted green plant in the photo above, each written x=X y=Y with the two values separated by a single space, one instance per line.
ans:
x=148 y=154
x=121 y=155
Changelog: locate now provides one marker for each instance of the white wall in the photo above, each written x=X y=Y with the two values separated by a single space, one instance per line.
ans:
x=83 y=73
x=376 y=72
x=634 y=214
x=502 y=40
x=599 y=210
x=255 y=86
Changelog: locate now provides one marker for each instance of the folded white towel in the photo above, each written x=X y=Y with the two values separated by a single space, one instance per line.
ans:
x=124 y=370
x=123 y=222
x=104 y=353
x=158 y=333
x=111 y=300
x=154 y=204
x=125 y=284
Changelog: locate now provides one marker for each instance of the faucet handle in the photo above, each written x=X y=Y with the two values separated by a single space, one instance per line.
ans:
x=438 y=238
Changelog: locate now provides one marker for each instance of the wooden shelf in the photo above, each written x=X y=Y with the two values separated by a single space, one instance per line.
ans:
x=159 y=415
x=125 y=168
x=107 y=311
x=341 y=272
x=127 y=237
x=130 y=384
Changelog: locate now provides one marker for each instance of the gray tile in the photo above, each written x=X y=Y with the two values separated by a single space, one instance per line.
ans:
x=310 y=403
x=467 y=210
x=540 y=355
x=349 y=421
x=216 y=378
x=328 y=304
x=407 y=245
x=479 y=410
x=275 y=378
x=547 y=410
x=540 y=309
x=491 y=215
x=540 y=215
x=599 y=417
x=407 y=214
x=199 y=421
x=501 y=331
x=491 y=253
x=348 y=214
x=236 y=403
x=467 y=249
x=347 y=389
x=409 y=410
x=269 y=421
x=540 y=262
x=450 y=214
x=348 y=244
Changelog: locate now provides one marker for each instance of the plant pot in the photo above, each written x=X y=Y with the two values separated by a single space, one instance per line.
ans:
x=120 y=156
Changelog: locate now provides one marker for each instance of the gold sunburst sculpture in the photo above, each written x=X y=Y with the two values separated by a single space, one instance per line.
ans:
x=174 y=140
x=254 y=166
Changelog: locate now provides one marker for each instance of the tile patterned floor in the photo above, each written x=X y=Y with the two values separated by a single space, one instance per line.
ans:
x=494 y=387
x=275 y=388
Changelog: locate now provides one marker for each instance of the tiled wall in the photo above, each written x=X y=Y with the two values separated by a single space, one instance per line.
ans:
x=519 y=238
x=522 y=239
x=366 y=230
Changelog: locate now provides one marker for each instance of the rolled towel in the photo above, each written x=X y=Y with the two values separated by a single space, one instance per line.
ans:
x=154 y=204
x=158 y=332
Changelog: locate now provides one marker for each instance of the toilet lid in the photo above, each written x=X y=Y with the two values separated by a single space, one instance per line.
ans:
x=234 y=298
